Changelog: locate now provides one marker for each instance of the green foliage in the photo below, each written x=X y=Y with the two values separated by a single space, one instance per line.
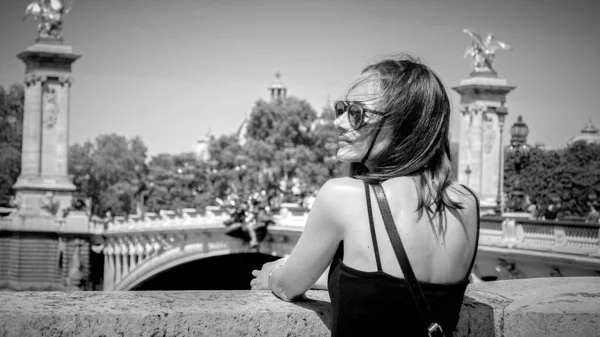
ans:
x=11 y=134
x=571 y=176
x=109 y=171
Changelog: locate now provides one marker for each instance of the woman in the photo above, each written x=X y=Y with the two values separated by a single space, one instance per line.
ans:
x=393 y=128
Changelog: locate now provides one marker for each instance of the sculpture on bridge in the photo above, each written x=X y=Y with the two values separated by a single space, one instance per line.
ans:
x=483 y=51
x=248 y=220
x=50 y=12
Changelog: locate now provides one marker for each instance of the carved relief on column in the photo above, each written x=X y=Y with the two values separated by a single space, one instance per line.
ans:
x=50 y=106
x=489 y=131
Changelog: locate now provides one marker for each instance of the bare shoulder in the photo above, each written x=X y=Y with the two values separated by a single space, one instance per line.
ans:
x=340 y=197
x=340 y=187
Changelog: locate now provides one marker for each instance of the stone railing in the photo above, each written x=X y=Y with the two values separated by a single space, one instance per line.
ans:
x=535 y=307
x=557 y=236
x=188 y=218
x=568 y=237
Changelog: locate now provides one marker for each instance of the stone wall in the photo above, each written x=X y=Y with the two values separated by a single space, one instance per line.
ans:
x=534 y=307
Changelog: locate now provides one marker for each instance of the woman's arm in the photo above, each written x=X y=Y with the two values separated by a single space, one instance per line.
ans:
x=321 y=283
x=313 y=252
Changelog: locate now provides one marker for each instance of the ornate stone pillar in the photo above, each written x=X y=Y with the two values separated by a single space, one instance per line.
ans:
x=45 y=126
x=479 y=145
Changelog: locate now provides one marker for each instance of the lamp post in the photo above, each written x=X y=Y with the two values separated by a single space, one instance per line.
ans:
x=519 y=150
x=501 y=112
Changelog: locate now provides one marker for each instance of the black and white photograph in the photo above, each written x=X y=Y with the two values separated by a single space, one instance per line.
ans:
x=299 y=168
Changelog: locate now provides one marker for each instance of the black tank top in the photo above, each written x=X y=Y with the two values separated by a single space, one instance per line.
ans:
x=379 y=304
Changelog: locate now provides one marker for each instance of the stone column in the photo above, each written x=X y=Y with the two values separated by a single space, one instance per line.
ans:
x=43 y=189
x=45 y=126
x=32 y=123
x=479 y=146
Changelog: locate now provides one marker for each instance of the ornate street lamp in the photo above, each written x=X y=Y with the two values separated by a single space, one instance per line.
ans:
x=501 y=112
x=519 y=151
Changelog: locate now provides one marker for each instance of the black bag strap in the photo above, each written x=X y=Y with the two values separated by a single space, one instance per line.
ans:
x=432 y=327
x=372 y=225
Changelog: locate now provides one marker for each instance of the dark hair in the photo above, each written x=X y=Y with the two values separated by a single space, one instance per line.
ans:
x=417 y=112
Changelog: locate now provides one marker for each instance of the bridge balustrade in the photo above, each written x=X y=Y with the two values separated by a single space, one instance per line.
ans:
x=134 y=246
x=556 y=236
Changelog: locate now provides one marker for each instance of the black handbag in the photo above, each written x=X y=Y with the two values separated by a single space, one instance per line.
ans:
x=433 y=328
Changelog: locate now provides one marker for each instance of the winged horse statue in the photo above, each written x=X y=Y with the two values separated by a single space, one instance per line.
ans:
x=483 y=51
x=50 y=12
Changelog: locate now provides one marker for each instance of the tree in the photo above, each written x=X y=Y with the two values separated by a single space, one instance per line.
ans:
x=109 y=172
x=282 y=122
x=11 y=134
x=570 y=175
x=287 y=141
x=178 y=181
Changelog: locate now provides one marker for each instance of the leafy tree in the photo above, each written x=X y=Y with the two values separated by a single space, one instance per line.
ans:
x=178 y=181
x=287 y=140
x=11 y=134
x=109 y=171
x=282 y=122
x=570 y=176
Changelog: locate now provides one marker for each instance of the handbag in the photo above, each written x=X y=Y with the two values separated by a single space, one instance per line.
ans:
x=433 y=328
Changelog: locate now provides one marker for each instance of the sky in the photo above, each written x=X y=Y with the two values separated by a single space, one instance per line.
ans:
x=171 y=71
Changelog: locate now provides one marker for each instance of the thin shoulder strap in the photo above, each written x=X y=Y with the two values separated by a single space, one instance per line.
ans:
x=409 y=275
x=372 y=225
x=477 y=236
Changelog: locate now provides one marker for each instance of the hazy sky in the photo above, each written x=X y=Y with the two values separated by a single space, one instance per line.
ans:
x=171 y=70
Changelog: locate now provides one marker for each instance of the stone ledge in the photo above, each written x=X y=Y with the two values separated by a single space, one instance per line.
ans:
x=533 y=307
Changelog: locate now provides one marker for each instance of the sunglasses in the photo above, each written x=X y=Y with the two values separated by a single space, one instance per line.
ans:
x=356 y=113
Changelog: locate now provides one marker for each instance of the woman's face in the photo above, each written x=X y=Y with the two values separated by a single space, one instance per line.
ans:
x=354 y=144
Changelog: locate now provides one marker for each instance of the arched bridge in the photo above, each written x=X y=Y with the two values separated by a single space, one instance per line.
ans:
x=136 y=250
x=510 y=247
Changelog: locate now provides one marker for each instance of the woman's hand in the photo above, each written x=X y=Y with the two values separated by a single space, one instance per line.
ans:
x=261 y=277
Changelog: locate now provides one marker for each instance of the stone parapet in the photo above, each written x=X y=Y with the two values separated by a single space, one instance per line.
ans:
x=534 y=307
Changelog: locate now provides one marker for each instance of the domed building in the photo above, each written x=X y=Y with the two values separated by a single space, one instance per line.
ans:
x=278 y=92
x=589 y=134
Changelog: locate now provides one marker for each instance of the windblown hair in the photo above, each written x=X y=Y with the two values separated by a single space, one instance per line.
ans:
x=417 y=111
